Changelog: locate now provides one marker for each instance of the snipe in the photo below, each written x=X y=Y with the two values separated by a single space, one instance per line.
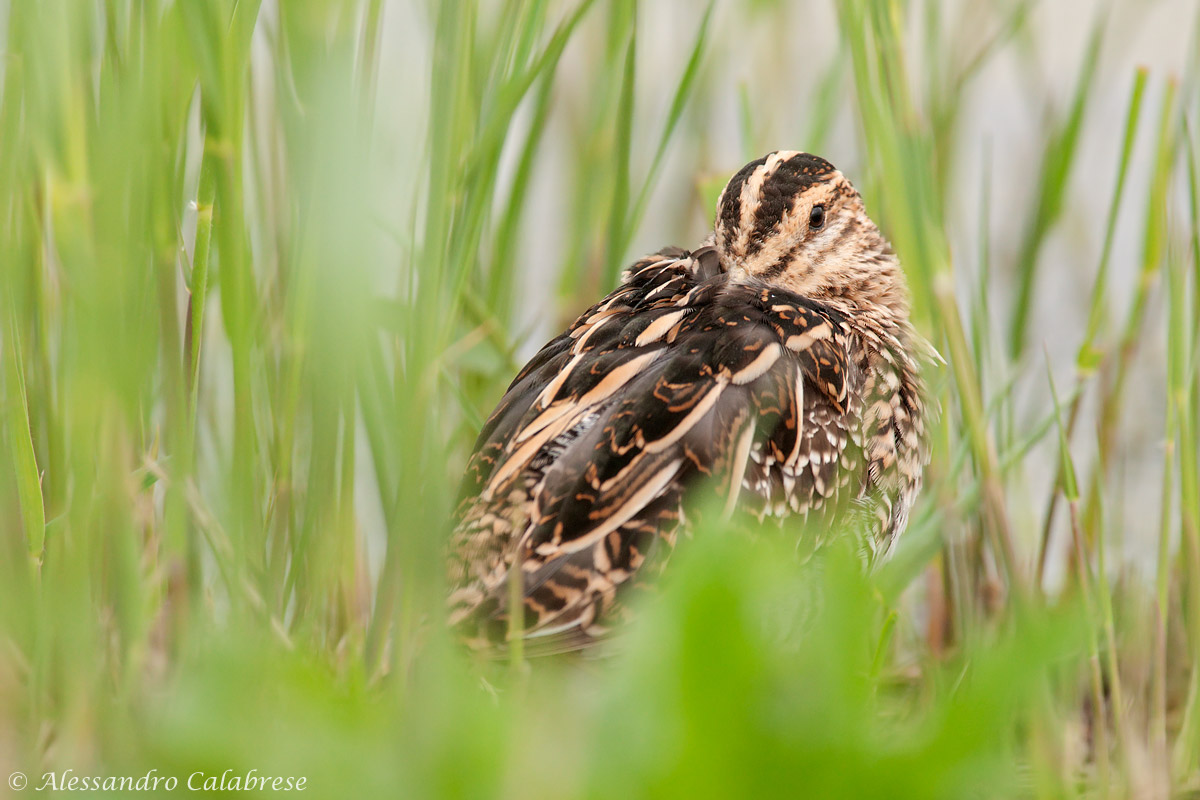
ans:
x=776 y=361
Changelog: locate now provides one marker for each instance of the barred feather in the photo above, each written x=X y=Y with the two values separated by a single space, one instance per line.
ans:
x=791 y=386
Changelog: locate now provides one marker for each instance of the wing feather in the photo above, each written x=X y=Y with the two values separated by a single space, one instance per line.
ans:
x=678 y=376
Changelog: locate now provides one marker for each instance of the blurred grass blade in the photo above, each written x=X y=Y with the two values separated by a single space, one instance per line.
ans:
x=1153 y=247
x=1070 y=485
x=683 y=91
x=198 y=282
x=29 y=480
x=618 y=216
x=1088 y=358
x=903 y=153
x=502 y=272
x=1183 y=356
x=1100 y=727
x=1057 y=162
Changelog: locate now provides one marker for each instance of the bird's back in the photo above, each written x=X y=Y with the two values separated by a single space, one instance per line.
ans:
x=679 y=377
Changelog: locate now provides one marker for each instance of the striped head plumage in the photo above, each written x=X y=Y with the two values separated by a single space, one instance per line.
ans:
x=792 y=220
x=775 y=362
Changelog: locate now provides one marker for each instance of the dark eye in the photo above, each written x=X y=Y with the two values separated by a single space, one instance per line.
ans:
x=816 y=218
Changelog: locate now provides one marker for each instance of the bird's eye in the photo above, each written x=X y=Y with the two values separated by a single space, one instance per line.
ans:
x=816 y=218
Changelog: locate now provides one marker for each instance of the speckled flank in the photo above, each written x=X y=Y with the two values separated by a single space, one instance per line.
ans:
x=776 y=360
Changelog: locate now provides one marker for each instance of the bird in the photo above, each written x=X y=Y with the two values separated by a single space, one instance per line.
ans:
x=776 y=362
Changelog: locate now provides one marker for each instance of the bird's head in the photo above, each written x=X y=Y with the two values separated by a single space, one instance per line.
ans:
x=790 y=219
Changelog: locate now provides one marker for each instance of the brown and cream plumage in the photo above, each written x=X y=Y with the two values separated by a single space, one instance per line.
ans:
x=775 y=361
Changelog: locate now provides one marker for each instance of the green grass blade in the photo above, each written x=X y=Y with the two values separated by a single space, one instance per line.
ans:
x=1057 y=163
x=683 y=90
x=618 y=216
x=1088 y=357
x=25 y=468
x=198 y=284
x=1183 y=350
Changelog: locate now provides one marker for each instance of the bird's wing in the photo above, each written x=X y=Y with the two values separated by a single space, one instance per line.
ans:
x=676 y=377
